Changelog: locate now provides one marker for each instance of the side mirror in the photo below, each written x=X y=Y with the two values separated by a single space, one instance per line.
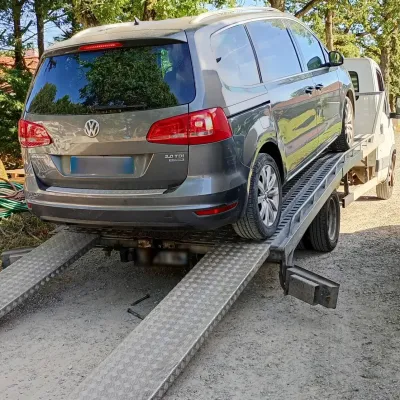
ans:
x=335 y=59
x=396 y=114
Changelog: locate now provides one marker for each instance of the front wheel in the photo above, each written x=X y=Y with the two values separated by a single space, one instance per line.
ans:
x=384 y=190
x=264 y=205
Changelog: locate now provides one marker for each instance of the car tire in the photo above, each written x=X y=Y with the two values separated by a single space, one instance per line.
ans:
x=384 y=190
x=346 y=138
x=323 y=233
x=264 y=206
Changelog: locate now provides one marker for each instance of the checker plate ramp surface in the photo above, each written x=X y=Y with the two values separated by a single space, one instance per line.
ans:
x=26 y=275
x=154 y=354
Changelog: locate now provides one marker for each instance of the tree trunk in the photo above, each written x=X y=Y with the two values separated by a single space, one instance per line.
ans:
x=39 y=25
x=394 y=54
x=149 y=14
x=385 y=64
x=307 y=7
x=83 y=13
x=278 y=4
x=18 y=48
x=329 y=28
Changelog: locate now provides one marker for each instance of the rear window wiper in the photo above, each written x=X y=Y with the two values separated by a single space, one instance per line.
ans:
x=119 y=108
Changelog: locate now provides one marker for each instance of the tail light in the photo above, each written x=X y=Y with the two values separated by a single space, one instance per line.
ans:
x=32 y=135
x=200 y=127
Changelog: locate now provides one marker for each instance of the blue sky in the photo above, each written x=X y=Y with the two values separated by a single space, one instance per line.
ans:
x=52 y=31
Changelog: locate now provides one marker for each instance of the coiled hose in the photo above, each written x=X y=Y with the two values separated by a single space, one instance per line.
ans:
x=12 y=198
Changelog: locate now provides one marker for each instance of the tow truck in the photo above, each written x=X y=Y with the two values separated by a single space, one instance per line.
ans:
x=152 y=356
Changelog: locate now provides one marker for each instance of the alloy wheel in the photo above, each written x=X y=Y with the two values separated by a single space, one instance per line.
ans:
x=268 y=195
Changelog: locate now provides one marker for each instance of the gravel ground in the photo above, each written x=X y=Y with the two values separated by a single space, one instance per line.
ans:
x=267 y=347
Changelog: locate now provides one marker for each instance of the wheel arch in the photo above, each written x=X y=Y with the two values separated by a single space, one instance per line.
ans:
x=272 y=149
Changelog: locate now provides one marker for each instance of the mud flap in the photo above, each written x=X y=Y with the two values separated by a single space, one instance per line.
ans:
x=311 y=288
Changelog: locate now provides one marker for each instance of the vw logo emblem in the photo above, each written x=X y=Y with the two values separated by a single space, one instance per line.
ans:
x=92 y=128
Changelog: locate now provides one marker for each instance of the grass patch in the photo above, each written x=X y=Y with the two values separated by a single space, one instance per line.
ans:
x=23 y=230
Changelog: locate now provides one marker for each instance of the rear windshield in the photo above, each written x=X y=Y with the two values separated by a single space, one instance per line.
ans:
x=135 y=78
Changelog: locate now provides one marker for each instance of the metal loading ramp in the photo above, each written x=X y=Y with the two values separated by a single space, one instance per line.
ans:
x=25 y=276
x=155 y=353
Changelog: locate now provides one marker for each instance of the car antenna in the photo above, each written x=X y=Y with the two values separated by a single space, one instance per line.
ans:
x=137 y=20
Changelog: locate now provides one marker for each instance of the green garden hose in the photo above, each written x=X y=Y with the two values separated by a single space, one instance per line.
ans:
x=11 y=198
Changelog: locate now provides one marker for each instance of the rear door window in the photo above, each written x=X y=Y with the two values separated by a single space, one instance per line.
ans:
x=309 y=46
x=235 y=57
x=275 y=51
x=355 y=80
x=134 y=78
x=381 y=87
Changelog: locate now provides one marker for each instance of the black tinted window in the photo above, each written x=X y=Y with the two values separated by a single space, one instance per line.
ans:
x=127 y=78
x=309 y=46
x=381 y=85
x=235 y=57
x=354 y=80
x=275 y=52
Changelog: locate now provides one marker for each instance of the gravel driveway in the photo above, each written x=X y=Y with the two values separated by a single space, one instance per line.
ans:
x=267 y=347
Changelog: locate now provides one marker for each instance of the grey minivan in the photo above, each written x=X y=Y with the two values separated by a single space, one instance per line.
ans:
x=194 y=122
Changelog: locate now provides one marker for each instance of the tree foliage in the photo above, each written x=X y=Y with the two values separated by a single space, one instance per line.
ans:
x=14 y=84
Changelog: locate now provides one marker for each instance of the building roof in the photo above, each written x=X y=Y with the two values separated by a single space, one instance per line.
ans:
x=31 y=58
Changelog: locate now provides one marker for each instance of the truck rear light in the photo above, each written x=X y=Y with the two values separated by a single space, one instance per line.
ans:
x=31 y=134
x=216 y=210
x=100 y=46
x=199 y=127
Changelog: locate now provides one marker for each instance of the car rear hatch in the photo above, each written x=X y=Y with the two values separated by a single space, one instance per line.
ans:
x=97 y=103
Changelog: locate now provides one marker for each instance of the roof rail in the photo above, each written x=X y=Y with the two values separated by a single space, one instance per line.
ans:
x=233 y=10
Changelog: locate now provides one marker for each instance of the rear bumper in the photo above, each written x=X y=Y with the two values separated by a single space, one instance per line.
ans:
x=168 y=210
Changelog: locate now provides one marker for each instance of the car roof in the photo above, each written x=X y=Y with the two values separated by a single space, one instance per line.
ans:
x=169 y=28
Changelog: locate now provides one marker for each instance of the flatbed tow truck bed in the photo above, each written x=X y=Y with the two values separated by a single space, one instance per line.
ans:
x=151 y=357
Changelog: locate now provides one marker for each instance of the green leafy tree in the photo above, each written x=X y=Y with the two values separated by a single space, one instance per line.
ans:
x=95 y=12
x=14 y=84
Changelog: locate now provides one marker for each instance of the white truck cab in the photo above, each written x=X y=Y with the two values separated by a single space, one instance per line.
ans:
x=372 y=117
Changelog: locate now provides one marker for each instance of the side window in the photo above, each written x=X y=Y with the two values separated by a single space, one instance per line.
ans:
x=235 y=57
x=381 y=85
x=308 y=44
x=354 y=80
x=275 y=51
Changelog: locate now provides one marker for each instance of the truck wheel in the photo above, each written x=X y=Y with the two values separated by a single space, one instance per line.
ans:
x=384 y=190
x=346 y=138
x=264 y=205
x=323 y=233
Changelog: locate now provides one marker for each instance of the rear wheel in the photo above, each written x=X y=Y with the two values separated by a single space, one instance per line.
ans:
x=323 y=233
x=345 y=140
x=264 y=206
x=384 y=190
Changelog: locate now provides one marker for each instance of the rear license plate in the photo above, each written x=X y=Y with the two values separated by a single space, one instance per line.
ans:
x=102 y=166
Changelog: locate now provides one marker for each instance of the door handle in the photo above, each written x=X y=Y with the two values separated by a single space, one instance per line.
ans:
x=319 y=86
x=309 y=89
